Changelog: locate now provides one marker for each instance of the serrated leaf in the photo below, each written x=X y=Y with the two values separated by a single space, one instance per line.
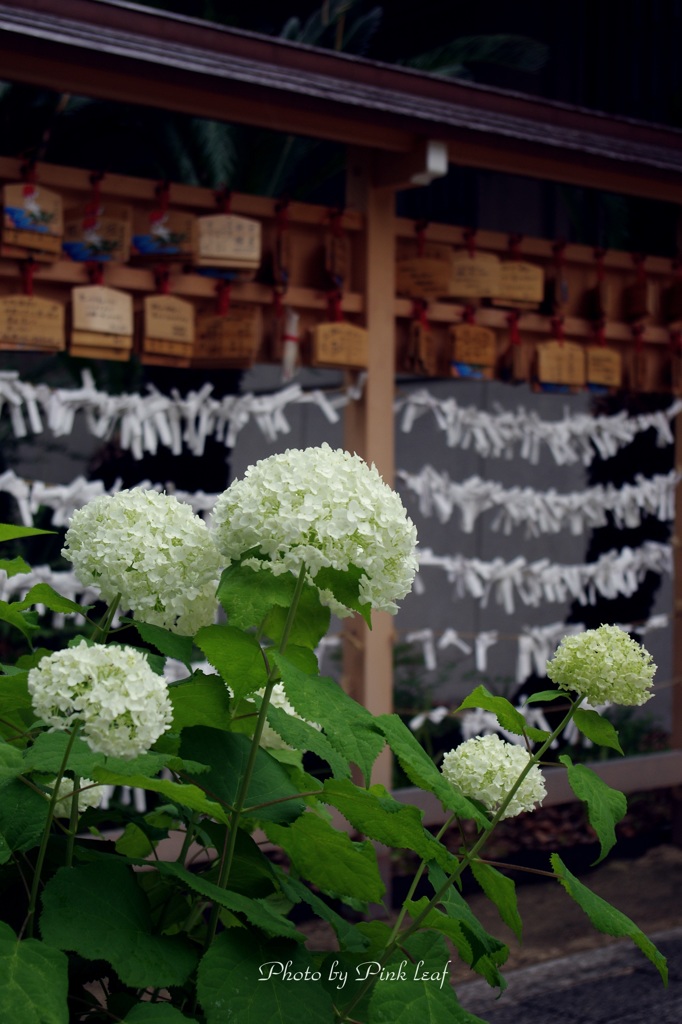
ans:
x=11 y=763
x=505 y=712
x=501 y=890
x=544 y=696
x=10 y=532
x=200 y=700
x=14 y=566
x=345 y=586
x=23 y=814
x=375 y=814
x=43 y=593
x=227 y=754
x=11 y=614
x=605 y=806
x=98 y=911
x=350 y=937
x=134 y=842
x=606 y=918
x=310 y=624
x=247 y=594
x=234 y=973
x=172 y=645
x=33 y=981
x=420 y=769
x=348 y=726
x=415 y=993
x=302 y=736
x=597 y=728
x=237 y=656
x=186 y=795
x=329 y=859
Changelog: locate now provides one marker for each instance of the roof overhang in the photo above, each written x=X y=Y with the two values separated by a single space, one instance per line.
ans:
x=115 y=50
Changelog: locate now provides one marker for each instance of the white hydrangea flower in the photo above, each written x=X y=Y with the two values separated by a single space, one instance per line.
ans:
x=87 y=797
x=121 y=705
x=485 y=768
x=152 y=550
x=321 y=508
x=278 y=699
x=604 y=665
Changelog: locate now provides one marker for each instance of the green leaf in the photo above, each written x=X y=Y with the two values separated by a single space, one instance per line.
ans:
x=47 y=752
x=33 y=981
x=237 y=656
x=345 y=586
x=11 y=614
x=172 y=645
x=309 y=626
x=349 y=936
x=14 y=695
x=606 y=918
x=98 y=911
x=545 y=696
x=420 y=769
x=227 y=754
x=420 y=989
x=257 y=911
x=23 y=814
x=134 y=842
x=11 y=763
x=597 y=728
x=247 y=594
x=234 y=974
x=378 y=816
x=155 y=1013
x=190 y=796
x=43 y=593
x=200 y=700
x=14 y=566
x=329 y=859
x=501 y=890
x=303 y=736
x=605 y=806
x=505 y=712
x=10 y=532
x=349 y=727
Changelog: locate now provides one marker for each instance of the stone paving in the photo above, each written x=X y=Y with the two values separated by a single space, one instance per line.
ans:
x=612 y=985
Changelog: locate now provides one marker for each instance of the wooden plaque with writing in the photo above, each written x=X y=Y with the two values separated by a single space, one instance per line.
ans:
x=337 y=258
x=32 y=219
x=473 y=344
x=168 y=236
x=561 y=362
x=340 y=344
x=230 y=340
x=423 y=277
x=30 y=323
x=226 y=240
x=103 y=237
x=475 y=275
x=167 y=319
x=102 y=322
x=522 y=284
x=604 y=366
x=648 y=370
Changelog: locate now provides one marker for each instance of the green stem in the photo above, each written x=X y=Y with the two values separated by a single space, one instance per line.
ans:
x=397 y=939
x=101 y=630
x=231 y=836
x=415 y=881
x=35 y=887
x=73 y=821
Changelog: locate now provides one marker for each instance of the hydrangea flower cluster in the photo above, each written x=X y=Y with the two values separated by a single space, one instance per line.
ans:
x=485 y=768
x=121 y=705
x=152 y=550
x=321 y=508
x=87 y=797
x=604 y=665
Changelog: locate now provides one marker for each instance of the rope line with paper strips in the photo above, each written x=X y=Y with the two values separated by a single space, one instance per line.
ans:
x=506 y=433
x=148 y=421
x=541 y=512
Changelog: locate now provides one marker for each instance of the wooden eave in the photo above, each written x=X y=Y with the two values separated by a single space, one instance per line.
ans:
x=120 y=51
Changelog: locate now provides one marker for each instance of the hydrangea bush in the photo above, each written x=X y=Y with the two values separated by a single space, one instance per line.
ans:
x=179 y=913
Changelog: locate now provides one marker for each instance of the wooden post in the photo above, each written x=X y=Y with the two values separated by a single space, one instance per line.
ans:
x=368 y=655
